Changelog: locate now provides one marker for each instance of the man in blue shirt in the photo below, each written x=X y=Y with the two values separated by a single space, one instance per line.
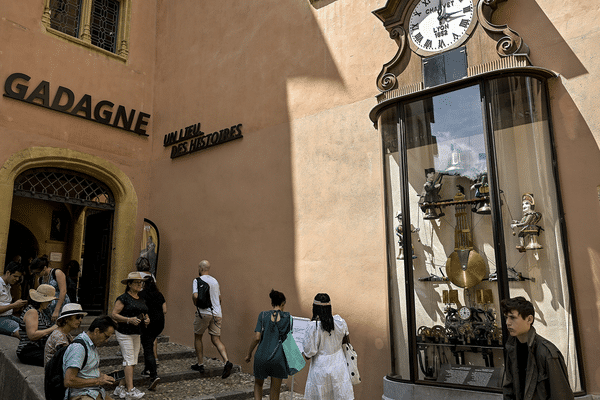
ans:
x=84 y=382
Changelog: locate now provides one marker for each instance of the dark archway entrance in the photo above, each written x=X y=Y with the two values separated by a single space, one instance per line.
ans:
x=21 y=242
x=93 y=283
x=70 y=216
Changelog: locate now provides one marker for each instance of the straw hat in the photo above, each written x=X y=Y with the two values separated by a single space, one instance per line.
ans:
x=71 y=309
x=43 y=293
x=133 y=276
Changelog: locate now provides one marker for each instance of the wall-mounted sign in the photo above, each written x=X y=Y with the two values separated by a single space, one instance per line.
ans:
x=64 y=101
x=191 y=139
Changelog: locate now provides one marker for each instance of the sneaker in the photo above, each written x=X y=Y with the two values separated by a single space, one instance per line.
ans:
x=198 y=367
x=227 y=369
x=120 y=392
x=153 y=383
x=145 y=373
x=134 y=394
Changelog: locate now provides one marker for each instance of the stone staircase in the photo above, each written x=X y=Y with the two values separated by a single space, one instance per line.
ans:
x=178 y=380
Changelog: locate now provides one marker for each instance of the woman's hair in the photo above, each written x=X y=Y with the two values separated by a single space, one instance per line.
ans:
x=322 y=312
x=142 y=264
x=277 y=298
x=39 y=264
x=150 y=285
x=34 y=304
x=63 y=321
x=73 y=269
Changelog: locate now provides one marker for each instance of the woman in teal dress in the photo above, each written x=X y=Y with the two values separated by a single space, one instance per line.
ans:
x=271 y=330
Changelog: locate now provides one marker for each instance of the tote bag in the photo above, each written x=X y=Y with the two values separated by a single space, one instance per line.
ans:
x=351 y=363
x=294 y=357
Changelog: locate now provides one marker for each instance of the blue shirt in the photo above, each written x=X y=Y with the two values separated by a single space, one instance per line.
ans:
x=73 y=358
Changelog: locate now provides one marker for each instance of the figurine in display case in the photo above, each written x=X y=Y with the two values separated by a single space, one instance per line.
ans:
x=400 y=237
x=529 y=228
x=431 y=195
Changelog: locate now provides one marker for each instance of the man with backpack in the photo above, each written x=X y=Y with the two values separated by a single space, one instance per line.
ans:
x=82 y=375
x=206 y=296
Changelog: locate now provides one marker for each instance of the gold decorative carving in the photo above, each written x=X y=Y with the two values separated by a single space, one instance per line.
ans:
x=387 y=80
x=509 y=44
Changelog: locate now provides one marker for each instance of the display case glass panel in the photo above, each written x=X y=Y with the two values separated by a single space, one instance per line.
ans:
x=536 y=263
x=456 y=305
x=388 y=123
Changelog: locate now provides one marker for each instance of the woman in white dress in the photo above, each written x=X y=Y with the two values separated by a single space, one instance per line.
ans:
x=328 y=377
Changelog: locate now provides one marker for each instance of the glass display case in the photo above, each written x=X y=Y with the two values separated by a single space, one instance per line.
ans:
x=473 y=216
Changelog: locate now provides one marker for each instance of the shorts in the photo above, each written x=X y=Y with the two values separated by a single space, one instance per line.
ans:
x=8 y=325
x=211 y=322
x=130 y=347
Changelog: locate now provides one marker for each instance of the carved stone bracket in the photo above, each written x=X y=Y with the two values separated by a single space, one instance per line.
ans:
x=387 y=80
x=511 y=42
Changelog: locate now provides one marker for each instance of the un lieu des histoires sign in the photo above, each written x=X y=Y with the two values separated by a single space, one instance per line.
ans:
x=17 y=87
x=191 y=139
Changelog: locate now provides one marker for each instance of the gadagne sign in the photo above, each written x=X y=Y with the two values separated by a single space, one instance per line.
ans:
x=16 y=87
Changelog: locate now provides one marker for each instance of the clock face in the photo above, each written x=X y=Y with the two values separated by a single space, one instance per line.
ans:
x=436 y=25
x=464 y=313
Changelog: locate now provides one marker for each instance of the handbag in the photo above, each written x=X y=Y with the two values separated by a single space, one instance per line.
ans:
x=293 y=356
x=351 y=363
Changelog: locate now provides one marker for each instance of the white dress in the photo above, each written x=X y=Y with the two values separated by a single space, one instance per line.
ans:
x=328 y=377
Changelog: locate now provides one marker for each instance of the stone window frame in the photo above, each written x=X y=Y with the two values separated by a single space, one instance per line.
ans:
x=85 y=38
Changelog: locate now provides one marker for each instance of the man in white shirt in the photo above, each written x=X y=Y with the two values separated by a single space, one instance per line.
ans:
x=9 y=324
x=209 y=318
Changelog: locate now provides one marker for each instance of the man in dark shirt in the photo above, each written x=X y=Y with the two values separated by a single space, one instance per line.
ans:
x=535 y=368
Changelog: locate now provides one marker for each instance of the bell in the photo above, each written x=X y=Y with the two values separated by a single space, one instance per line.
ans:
x=431 y=214
x=456 y=162
x=484 y=209
x=533 y=243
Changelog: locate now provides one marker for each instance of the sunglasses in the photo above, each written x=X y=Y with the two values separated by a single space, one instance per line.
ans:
x=79 y=316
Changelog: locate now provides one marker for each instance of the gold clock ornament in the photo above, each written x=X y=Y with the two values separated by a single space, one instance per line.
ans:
x=439 y=25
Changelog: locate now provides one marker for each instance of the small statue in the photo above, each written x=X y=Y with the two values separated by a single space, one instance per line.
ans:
x=431 y=194
x=482 y=191
x=400 y=237
x=530 y=229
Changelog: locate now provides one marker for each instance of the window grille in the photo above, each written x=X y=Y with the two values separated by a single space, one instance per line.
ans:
x=65 y=187
x=65 y=16
x=104 y=22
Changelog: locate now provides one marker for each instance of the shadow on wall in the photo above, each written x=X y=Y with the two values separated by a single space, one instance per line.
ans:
x=321 y=3
x=221 y=63
x=548 y=49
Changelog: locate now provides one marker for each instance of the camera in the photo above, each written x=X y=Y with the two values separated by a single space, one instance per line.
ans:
x=118 y=375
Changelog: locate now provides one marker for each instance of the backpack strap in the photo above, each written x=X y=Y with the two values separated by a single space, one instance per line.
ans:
x=81 y=342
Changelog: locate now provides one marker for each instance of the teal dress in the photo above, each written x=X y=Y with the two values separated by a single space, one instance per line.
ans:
x=269 y=359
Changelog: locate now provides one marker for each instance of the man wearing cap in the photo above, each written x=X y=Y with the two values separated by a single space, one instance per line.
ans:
x=69 y=319
x=9 y=324
x=209 y=318
x=84 y=382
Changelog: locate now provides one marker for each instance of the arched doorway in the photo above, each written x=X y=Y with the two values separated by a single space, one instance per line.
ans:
x=120 y=217
x=57 y=204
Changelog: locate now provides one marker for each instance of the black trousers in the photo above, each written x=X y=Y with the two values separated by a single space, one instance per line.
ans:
x=32 y=355
x=147 y=340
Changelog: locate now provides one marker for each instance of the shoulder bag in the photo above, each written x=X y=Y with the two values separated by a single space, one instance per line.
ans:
x=351 y=363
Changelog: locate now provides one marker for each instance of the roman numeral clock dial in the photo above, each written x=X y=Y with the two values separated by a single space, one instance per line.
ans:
x=437 y=25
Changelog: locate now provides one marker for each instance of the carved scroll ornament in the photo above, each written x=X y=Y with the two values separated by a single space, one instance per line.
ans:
x=509 y=44
x=386 y=80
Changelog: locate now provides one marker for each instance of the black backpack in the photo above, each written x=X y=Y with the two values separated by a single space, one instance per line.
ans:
x=203 y=300
x=54 y=386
